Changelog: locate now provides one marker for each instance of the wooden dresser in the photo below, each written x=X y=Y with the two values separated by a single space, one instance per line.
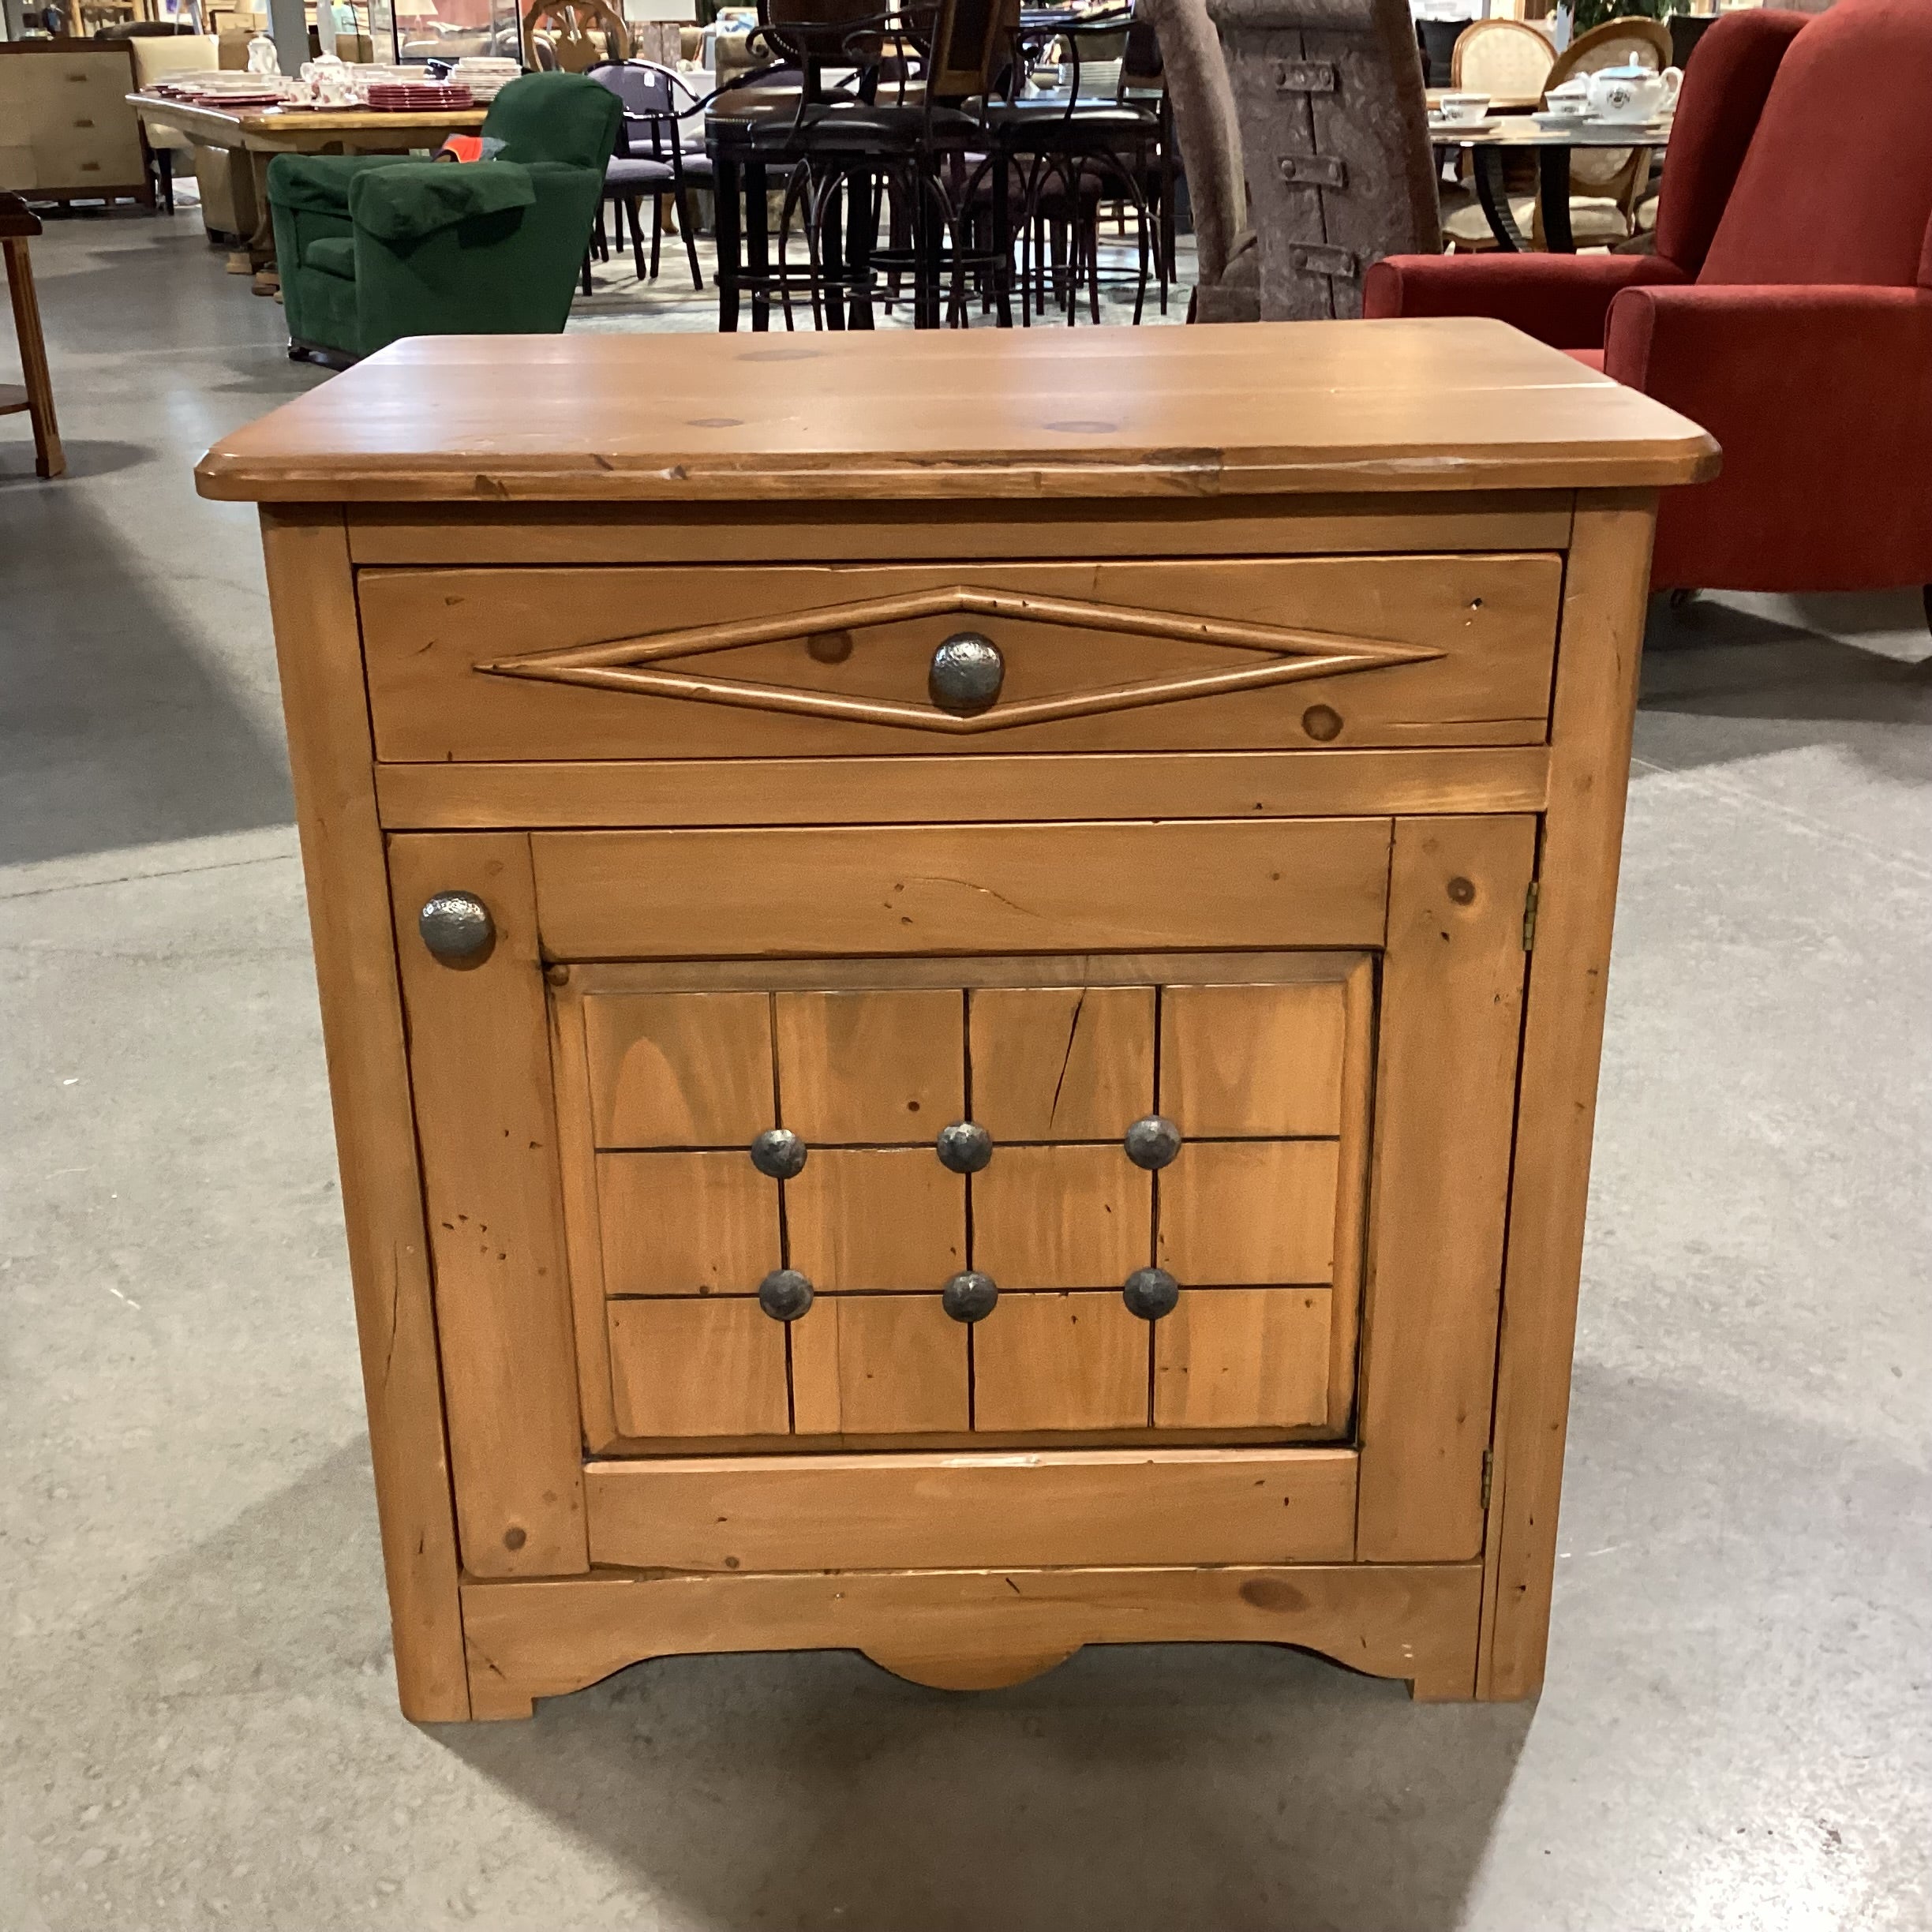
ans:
x=66 y=131
x=963 y=976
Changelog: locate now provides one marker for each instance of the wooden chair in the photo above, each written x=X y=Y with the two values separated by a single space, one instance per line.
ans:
x=1605 y=183
x=573 y=36
x=1503 y=58
x=18 y=223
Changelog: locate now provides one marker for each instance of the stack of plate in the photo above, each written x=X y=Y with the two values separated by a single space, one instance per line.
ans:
x=421 y=97
x=485 y=76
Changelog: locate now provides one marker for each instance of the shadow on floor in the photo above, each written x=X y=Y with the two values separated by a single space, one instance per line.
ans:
x=115 y=729
x=1239 y=1787
x=1724 y=681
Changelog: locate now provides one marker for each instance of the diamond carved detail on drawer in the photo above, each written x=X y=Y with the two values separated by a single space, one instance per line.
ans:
x=1244 y=656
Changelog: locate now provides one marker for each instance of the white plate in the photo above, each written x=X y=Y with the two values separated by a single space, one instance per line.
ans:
x=1440 y=126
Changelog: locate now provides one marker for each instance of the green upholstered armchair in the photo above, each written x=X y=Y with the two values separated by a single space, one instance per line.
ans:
x=372 y=248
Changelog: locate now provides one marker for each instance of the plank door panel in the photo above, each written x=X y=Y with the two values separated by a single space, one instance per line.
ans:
x=715 y=1367
x=1445 y=1115
x=678 y=1070
x=873 y=1067
x=680 y=1224
x=1243 y=1357
x=1237 y=1212
x=1062 y=1063
x=1047 y=1362
x=868 y=1218
x=879 y=1365
x=1252 y=1060
x=486 y=1131
x=1061 y=1217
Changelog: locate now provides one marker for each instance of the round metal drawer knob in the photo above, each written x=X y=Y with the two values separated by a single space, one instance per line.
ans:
x=969 y=1297
x=965 y=1147
x=967 y=673
x=779 y=1153
x=784 y=1294
x=1152 y=1142
x=1150 y=1293
x=457 y=928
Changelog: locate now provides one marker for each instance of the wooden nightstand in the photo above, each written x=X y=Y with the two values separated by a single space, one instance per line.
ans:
x=963 y=976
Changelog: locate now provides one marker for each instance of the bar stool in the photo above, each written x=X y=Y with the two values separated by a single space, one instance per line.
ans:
x=17 y=223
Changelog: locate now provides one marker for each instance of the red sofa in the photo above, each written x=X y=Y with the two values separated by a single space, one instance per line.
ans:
x=1788 y=308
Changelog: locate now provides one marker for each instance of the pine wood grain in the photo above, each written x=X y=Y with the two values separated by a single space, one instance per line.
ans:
x=1237 y=1212
x=1258 y=1060
x=312 y=595
x=680 y=1224
x=872 y=1219
x=881 y=1066
x=1235 y=784
x=1062 y=1063
x=1485 y=627
x=705 y=1367
x=878 y=1365
x=1568 y=971
x=1321 y=523
x=964 y=888
x=583 y=1232
x=1234 y=1357
x=486 y=1128
x=1061 y=1217
x=533 y=1640
x=1060 y=1361
x=898 y=1511
x=1445 y=1103
x=679 y=1070
x=1393 y=406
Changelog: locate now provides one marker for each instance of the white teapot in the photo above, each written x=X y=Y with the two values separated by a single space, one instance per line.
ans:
x=262 y=56
x=1633 y=93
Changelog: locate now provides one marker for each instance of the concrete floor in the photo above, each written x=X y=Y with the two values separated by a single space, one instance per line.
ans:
x=197 y=1727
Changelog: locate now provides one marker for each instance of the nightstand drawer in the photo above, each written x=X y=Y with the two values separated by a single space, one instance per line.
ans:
x=1255 y=653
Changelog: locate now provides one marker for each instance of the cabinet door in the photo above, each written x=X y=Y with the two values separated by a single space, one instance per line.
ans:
x=1317 y=1167
x=1261 y=1060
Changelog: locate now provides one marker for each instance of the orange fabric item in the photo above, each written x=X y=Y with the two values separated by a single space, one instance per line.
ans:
x=461 y=147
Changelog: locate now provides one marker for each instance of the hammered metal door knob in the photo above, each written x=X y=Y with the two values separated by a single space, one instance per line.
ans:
x=967 y=673
x=965 y=1147
x=1150 y=1293
x=1152 y=1142
x=969 y=1297
x=779 y=1153
x=457 y=928
x=784 y=1294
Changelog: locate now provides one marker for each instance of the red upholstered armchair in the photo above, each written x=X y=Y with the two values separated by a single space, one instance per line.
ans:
x=1788 y=307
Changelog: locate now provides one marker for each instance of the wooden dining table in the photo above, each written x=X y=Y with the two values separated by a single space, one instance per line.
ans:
x=1491 y=141
x=263 y=133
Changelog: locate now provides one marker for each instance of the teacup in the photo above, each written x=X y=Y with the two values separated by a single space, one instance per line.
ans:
x=1633 y=93
x=1571 y=100
x=1464 y=106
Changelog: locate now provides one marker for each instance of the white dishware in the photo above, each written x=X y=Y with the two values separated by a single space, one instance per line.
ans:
x=1459 y=107
x=1633 y=93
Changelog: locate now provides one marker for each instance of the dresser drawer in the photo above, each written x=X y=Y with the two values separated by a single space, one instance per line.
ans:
x=1262 y=653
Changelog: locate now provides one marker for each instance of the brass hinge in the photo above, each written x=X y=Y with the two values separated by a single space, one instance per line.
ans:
x=1489 y=1470
x=1529 y=913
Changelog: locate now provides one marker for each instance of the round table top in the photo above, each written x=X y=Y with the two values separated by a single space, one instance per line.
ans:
x=1523 y=131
